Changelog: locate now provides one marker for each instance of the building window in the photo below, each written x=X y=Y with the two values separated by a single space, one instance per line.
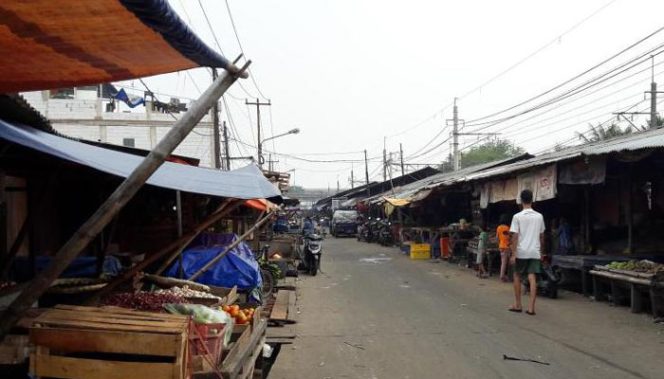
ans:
x=129 y=142
x=62 y=93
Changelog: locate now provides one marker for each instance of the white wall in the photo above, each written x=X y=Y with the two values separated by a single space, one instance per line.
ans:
x=61 y=112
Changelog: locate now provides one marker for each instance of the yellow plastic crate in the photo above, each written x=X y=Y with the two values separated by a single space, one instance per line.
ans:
x=420 y=251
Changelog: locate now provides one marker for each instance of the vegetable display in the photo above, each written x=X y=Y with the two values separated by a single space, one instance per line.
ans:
x=187 y=292
x=241 y=316
x=144 y=301
x=643 y=266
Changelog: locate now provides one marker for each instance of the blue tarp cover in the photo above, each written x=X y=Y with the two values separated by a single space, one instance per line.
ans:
x=244 y=183
x=238 y=268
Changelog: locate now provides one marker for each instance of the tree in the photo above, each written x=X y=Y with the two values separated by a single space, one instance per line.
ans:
x=602 y=133
x=490 y=151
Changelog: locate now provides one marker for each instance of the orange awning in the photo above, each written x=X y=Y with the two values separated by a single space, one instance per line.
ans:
x=47 y=44
x=261 y=204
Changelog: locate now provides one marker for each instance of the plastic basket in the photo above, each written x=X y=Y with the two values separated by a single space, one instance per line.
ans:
x=206 y=344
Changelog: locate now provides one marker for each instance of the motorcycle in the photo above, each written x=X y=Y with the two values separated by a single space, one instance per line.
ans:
x=313 y=246
x=547 y=282
x=363 y=232
x=385 y=237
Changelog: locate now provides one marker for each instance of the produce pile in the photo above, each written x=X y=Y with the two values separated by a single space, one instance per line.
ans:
x=187 y=292
x=241 y=316
x=144 y=301
x=644 y=266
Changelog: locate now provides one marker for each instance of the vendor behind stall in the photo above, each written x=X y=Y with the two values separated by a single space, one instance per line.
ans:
x=460 y=238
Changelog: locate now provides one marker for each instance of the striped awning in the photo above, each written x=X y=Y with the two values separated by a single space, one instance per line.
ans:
x=47 y=44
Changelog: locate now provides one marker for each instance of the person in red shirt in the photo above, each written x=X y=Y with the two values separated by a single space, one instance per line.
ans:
x=503 y=236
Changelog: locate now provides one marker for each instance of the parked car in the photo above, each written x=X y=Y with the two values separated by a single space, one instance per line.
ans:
x=344 y=223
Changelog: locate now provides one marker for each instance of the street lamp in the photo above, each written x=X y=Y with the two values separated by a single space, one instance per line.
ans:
x=261 y=160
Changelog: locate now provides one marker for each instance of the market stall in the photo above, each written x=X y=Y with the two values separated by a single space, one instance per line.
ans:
x=640 y=284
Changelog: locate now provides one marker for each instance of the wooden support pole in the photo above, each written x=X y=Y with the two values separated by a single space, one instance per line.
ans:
x=176 y=245
x=224 y=209
x=230 y=247
x=117 y=200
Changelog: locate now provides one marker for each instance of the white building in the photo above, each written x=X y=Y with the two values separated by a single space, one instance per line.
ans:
x=80 y=113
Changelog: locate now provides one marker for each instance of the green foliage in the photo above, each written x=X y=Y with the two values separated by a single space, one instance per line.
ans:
x=490 y=151
x=602 y=133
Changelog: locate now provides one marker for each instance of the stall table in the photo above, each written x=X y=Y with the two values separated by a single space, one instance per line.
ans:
x=629 y=285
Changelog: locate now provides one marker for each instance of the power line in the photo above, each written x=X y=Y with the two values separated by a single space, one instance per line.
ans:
x=216 y=40
x=645 y=57
x=237 y=37
x=539 y=50
x=640 y=82
x=633 y=45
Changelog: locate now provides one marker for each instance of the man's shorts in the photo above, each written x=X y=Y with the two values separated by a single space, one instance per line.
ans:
x=524 y=267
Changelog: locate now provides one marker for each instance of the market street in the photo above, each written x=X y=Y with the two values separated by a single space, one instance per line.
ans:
x=373 y=313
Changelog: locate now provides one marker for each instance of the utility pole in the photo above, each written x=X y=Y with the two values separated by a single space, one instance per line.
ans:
x=455 y=136
x=270 y=162
x=653 y=104
x=352 y=179
x=227 y=151
x=338 y=185
x=403 y=172
x=258 y=104
x=384 y=159
x=366 y=167
x=653 y=97
x=456 y=156
x=215 y=128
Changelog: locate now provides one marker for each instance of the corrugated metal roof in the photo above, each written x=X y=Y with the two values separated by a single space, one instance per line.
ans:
x=637 y=141
x=437 y=180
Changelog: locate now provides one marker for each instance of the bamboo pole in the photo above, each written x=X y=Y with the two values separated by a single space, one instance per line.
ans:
x=223 y=208
x=117 y=200
x=230 y=247
x=177 y=245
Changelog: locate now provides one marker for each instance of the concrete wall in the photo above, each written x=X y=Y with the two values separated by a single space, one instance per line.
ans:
x=86 y=118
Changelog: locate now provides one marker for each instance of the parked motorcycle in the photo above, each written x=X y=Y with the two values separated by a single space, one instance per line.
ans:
x=547 y=282
x=385 y=237
x=313 y=248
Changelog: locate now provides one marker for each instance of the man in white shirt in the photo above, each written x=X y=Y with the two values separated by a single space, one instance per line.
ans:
x=527 y=235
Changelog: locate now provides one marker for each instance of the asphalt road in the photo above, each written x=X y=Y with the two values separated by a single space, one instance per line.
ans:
x=373 y=313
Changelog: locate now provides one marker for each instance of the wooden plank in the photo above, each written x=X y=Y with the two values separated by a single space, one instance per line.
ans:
x=280 y=308
x=109 y=309
x=77 y=340
x=110 y=318
x=250 y=361
x=242 y=349
x=57 y=316
x=77 y=368
x=106 y=326
x=292 y=311
x=623 y=278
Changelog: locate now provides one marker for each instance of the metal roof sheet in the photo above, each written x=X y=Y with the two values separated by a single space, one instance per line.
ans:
x=244 y=183
x=637 y=141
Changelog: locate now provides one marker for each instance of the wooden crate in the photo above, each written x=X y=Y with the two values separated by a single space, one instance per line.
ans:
x=108 y=342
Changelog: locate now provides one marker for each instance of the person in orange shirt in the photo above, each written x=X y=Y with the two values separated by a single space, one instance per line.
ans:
x=503 y=236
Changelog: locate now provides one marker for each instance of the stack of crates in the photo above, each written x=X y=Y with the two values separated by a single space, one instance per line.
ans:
x=420 y=251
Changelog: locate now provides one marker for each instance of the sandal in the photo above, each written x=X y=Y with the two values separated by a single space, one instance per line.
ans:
x=529 y=313
x=516 y=310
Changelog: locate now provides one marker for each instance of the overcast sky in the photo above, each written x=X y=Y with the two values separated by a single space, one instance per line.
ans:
x=349 y=73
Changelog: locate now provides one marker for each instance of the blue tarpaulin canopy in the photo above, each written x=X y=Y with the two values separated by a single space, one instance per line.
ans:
x=244 y=183
x=237 y=268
